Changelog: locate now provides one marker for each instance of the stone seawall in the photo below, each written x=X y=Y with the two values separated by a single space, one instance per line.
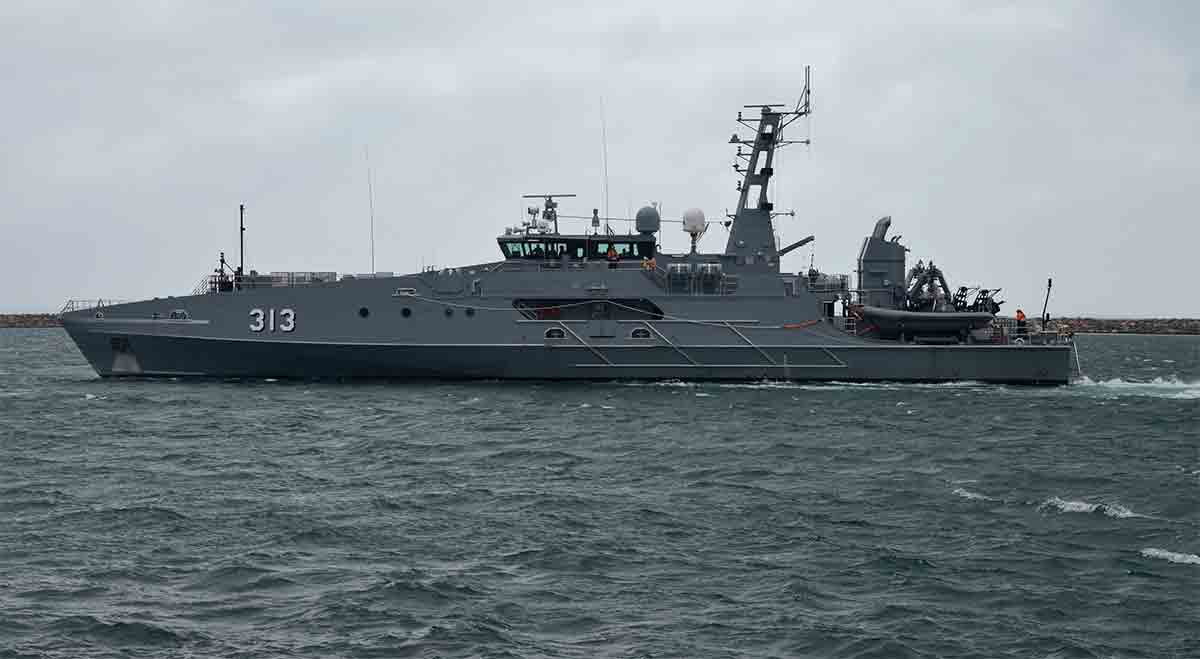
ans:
x=1128 y=325
x=26 y=320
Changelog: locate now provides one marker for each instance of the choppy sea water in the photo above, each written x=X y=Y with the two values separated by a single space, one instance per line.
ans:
x=294 y=519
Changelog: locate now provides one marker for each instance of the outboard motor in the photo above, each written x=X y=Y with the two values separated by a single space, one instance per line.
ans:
x=881 y=276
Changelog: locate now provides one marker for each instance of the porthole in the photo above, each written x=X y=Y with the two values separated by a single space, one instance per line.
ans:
x=639 y=333
x=406 y=312
x=449 y=311
x=363 y=312
x=555 y=333
x=470 y=312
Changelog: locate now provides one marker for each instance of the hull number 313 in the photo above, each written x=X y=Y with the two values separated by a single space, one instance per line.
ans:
x=283 y=320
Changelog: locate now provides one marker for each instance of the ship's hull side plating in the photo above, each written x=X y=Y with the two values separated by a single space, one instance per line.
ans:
x=363 y=330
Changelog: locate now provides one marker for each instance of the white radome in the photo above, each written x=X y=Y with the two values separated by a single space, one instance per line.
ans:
x=694 y=222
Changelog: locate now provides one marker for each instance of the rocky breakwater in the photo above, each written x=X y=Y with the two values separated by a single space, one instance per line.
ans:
x=1127 y=325
x=29 y=320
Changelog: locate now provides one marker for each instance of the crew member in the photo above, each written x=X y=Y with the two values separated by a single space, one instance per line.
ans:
x=1022 y=331
x=612 y=256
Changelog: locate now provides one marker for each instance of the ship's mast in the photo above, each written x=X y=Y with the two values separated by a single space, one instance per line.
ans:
x=751 y=236
x=241 y=240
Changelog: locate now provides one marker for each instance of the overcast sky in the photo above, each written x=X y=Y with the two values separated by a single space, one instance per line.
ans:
x=1009 y=143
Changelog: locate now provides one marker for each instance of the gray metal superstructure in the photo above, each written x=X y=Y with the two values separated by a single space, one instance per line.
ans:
x=595 y=305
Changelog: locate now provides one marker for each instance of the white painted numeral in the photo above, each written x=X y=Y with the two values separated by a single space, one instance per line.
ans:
x=265 y=320
x=256 y=322
x=288 y=320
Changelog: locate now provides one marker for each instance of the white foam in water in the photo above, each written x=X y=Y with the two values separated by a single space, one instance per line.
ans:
x=660 y=383
x=765 y=384
x=1159 y=387
x=974 y=496
x=1174 y=557
x=1117 y=510
x=832 y=385
x=1068 y=506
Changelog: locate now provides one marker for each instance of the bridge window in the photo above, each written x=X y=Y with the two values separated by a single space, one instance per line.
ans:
x=575 y=248
x=625 y=250
x=535 y=249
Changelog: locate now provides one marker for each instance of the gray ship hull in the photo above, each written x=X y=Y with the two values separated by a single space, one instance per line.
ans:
x=158 y=356
x=460 y=337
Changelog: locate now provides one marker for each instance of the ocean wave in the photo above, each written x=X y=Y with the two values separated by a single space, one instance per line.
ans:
x=120 y=633
x=808 y=385
x=1159 y=387
x=1172 y=556
x=974 y=496
x=1069 y=506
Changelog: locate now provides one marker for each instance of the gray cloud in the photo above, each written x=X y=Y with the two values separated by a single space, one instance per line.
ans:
x=1008 y=142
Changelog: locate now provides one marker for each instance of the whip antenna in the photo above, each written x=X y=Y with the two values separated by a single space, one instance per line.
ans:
x=604 y=152
x=370 y=204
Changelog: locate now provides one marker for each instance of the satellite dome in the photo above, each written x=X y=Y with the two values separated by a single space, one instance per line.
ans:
x=694 y=222
x=648 y=220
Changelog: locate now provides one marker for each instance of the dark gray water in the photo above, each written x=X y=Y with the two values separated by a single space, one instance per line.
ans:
x=258 y=519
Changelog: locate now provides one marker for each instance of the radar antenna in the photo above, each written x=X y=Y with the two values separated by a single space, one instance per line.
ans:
x=550 y=208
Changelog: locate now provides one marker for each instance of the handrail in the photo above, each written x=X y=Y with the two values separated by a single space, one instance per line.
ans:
x=222 y=283
x=84 y=305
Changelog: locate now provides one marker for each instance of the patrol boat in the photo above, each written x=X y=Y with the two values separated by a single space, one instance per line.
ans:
x=591 y=305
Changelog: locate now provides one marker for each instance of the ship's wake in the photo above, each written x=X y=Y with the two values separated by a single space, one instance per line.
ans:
x=1159 y=387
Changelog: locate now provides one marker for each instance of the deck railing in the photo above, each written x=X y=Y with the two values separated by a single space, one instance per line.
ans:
x=84 y=305
x=218 y=283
